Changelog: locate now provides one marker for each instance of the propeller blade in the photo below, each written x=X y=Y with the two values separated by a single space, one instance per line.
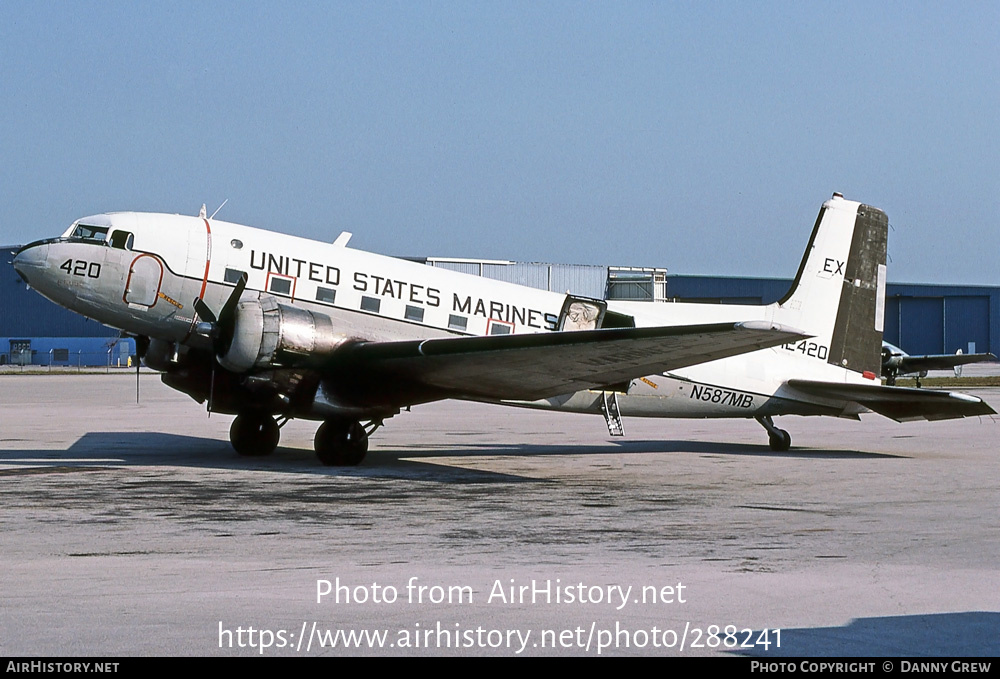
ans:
x=203 y=310
x=227 y=319
x=230 y=308
x=221 y=328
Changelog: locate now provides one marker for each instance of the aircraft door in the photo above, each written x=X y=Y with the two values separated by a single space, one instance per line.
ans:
x=144 y=278
x=581 y=313
x=585 y=313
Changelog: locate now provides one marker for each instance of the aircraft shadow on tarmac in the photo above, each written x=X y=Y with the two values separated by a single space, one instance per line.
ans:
x=116 y=449
x=638 y=446
x=968 y=634
x=104 y=450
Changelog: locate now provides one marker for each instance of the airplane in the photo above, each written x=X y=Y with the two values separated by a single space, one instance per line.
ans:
x=281 y=327
x=896 y=362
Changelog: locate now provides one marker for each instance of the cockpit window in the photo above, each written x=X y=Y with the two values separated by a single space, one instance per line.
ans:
x=121 y=240
x=92 y=233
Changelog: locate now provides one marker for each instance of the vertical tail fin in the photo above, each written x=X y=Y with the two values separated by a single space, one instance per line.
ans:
x=839 y=291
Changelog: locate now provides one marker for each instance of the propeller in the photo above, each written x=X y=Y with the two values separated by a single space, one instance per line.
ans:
x=219 y=328
x=222 y=327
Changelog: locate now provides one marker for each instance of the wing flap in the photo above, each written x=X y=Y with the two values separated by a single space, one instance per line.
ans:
x=534 y=366
x=899 y=403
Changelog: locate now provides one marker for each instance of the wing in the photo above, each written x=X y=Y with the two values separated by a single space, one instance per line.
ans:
x=899 y=403
x=914 y=364
x=533 y=366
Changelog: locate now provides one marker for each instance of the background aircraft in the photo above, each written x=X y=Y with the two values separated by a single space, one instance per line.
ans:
x=896 y=362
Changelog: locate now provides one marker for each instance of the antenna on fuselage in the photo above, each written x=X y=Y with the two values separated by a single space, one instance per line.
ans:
x=219 y=208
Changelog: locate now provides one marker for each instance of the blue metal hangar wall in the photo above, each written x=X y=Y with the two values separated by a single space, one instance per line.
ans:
x=34 y=331
x=919 y=318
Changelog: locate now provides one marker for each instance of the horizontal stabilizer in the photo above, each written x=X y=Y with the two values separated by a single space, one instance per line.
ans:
x=539 y=365
x=899 y=403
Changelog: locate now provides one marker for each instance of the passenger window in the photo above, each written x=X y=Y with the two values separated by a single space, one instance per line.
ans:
x=458 y=322
x=370 y=304
x=327 y=295
x=500 y=327
x=414 y=313
x=233 y=275
x=280 y=286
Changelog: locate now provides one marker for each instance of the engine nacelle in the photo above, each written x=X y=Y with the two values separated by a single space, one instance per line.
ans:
x=160 y=355
x=164 y=356
x=269 y=334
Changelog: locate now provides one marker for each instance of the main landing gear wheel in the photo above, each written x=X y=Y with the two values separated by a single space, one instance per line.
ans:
x=254 y=435
x=779 y=439
x=341 y=443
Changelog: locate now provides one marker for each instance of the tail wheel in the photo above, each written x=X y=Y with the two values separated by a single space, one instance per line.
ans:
x=341 y=443
x=254 y=434
x=780 y=441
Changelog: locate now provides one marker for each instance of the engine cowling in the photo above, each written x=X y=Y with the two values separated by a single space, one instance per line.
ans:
x=269 y=334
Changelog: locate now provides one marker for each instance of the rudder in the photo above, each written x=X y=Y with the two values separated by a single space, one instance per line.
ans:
x=857 y=333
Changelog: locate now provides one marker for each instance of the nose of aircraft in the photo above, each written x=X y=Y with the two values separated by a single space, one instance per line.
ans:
x=31 y=259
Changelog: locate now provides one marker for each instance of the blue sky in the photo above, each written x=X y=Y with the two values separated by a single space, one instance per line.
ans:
x=700 y=137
